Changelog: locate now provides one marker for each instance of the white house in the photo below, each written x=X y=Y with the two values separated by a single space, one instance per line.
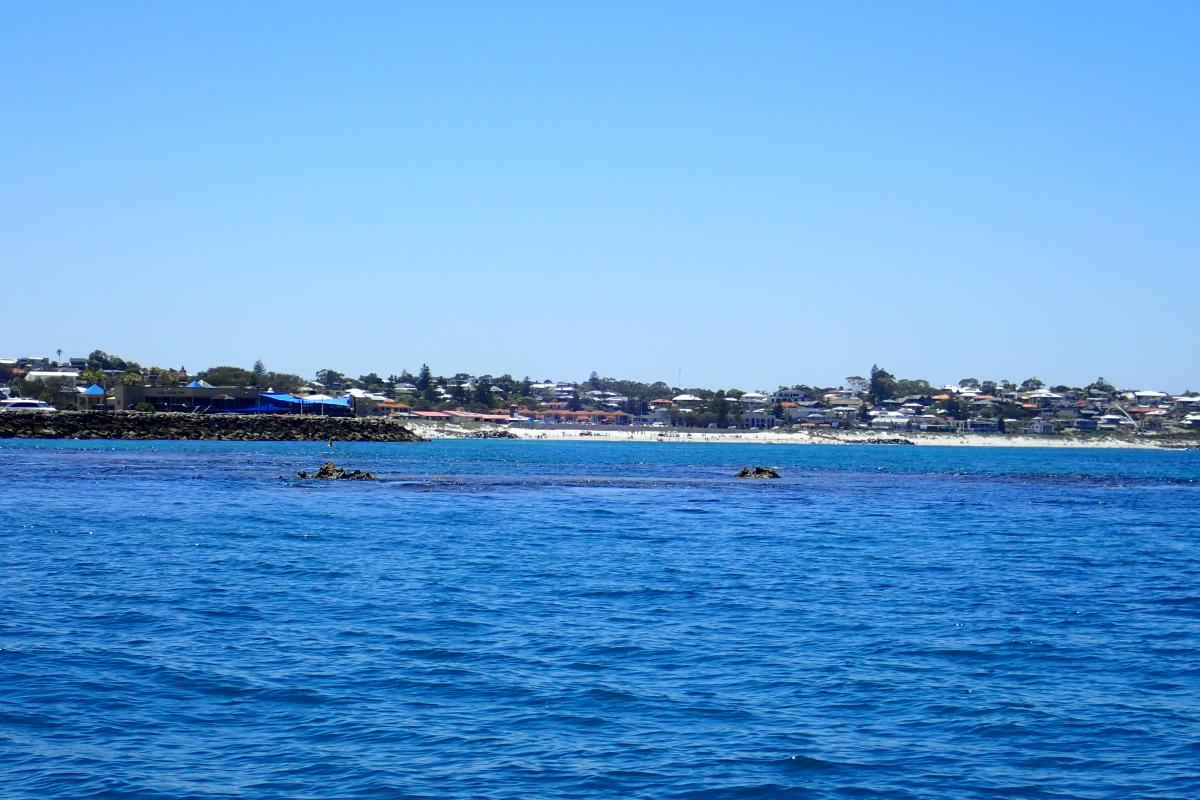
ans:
x=54 y=379
x=889 y=420
x=753 y=399
x=759 y=419
x=788 y=396
x=1148 y=397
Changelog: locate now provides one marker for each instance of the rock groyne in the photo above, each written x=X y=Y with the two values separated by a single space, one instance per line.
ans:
x=139 y=425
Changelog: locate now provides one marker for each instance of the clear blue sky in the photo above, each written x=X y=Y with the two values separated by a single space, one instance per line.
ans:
x=752 y=193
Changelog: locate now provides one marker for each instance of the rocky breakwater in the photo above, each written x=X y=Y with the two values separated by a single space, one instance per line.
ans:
x=490 y=435
x=139 y=425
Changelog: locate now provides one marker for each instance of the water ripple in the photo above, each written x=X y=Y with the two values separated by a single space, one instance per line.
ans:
x=519 y=620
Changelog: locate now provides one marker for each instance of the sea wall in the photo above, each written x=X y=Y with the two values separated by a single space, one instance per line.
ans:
x=138 y=425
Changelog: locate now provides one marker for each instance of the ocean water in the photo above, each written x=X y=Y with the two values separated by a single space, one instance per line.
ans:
x=499 y=619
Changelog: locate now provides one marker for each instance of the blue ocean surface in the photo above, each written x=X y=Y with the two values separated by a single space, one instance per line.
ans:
x=507 y=619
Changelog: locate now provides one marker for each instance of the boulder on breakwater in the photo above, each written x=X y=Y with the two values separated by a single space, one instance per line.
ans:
x=332 y=472
x=231 y=427
x=491 y=435
x=758 y=472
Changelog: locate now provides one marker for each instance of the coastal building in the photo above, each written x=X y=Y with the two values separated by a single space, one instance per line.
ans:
x=471 y=416
x=1149 y=398
x=433 y=416
x=789 y=396
x=929 y=423
x=1038 y=426
x=208 y=399
x=806 y=411
x=392 y=408
x=889 y=420
x=841 y=396
x=753 y=399
x=761 y=420
x=983 y=425
x=315 y=405
x=54 y=380
x=1042 y=398
x=92 y=398
x=567 y=417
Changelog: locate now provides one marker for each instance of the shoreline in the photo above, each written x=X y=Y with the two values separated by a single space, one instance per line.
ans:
x=199 y=427
x=796 y=438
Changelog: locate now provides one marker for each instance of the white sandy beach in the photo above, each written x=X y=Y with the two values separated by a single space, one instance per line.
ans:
x=433 y=431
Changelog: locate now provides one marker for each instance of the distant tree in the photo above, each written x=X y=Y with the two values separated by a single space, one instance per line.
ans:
x=883 y=385
x=34 y=389
x=969 y=383
x=956 y=407
x=98 y=359
x=1011 y=411
x=131 y=377
x=1031 y=384
x=483 y=391
x=720 y=409
x=913 y=386
x=429 y=395
x=144 y=407
x=58 y=352
x=259 y=368
x=330 y=376
x=283 y=381
x=988 y=387
x=371 y=381
x=508 y=385
x=424 y=379
x=1101 y=385
x=855 y=383
x=229 y=376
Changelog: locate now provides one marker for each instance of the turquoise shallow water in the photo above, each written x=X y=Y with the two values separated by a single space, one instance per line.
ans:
x=536 y=619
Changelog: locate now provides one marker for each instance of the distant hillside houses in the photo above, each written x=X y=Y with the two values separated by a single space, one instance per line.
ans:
x=100 y=381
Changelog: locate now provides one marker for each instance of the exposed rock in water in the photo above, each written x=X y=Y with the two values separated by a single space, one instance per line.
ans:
x=758 y=472
x=896 y=440
x=258 y=427
x=332 y=472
